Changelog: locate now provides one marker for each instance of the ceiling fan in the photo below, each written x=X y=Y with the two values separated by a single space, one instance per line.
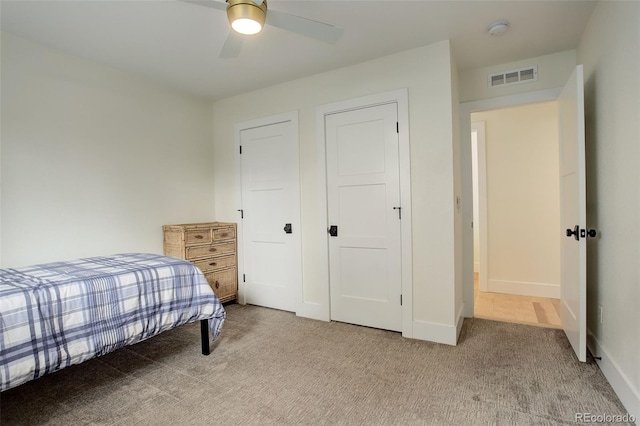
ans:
x=248 y=17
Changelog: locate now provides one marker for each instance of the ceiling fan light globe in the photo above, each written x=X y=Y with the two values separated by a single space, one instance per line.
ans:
x=246 y=26
x=246 y=17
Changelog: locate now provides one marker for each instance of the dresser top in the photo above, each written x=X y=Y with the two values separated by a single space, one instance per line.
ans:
x=198 y=225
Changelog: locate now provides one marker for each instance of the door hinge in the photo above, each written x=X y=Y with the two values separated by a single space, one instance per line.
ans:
x=397 y=127
x=400 y=300
x=244 y=278
x=240 y=149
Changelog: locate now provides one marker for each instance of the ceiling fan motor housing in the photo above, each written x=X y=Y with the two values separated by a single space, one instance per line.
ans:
x=239 y=10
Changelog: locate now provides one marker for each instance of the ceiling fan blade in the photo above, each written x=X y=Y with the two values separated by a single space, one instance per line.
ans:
x=232 y=45
x=303 y=26
x=214 y=4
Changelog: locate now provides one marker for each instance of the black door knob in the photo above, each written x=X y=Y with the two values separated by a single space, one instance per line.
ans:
x=574 y=232
x=287 y=228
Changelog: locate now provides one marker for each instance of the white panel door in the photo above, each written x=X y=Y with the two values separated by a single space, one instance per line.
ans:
x=573 y=286
x=271 y=215
x=363 y=191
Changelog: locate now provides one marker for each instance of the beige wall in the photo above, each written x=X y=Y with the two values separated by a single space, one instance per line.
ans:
x=426 y=72
x=95 y=161
x=553 y=71
x=522 y=199
x=610 y=52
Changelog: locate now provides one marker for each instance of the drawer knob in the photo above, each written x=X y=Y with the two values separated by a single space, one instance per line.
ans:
x=213 y=249
x=213 y=264
x=199 y=237
x=217 y=284
x=224 y=235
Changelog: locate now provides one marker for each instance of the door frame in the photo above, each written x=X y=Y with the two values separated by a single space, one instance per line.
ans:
x=466 y=108
x=401 y=98
x=482 y=225
x=292 y=117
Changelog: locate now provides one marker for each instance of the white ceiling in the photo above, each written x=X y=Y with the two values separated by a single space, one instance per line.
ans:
x=177 y=43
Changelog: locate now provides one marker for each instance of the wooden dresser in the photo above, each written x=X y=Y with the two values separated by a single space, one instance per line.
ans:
x=212 y=247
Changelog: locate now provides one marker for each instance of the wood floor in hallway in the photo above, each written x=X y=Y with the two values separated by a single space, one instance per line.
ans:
x=538 y=311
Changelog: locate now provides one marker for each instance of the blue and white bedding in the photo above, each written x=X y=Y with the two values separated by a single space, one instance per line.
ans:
x=58 y=314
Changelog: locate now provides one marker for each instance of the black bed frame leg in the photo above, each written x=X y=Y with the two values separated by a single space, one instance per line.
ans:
x=204 y=335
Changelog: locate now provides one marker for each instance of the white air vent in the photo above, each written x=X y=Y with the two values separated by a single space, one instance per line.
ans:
x=508 y=78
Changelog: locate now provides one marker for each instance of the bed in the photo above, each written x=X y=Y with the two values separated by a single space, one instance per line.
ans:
x=58 y=314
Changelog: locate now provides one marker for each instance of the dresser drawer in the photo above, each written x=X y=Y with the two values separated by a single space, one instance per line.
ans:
x=224 y=234
x=195 y=252
x=213 y=263
x=197 y=236
x=223 y=283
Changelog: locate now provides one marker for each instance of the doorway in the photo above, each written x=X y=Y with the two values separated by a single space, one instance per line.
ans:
x=516 y=214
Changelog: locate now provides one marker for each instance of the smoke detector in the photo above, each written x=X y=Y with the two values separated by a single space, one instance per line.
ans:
x=498 y=28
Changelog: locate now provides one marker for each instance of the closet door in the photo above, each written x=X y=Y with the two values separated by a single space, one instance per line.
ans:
x=272 y=272
x=363 y=195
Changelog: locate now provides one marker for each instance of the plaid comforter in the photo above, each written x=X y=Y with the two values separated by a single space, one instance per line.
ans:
x=58 y=314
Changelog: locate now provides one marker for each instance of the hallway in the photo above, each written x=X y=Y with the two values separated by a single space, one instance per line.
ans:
x=537 y=311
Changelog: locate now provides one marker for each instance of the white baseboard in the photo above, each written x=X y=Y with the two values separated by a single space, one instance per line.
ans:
x=459 y=321
x=315 y=311
x=435 y=332
x=421 y=330
x=524 y=288
x=619 y=381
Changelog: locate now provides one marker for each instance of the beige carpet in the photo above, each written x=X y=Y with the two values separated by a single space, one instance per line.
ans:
x=270 y=367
